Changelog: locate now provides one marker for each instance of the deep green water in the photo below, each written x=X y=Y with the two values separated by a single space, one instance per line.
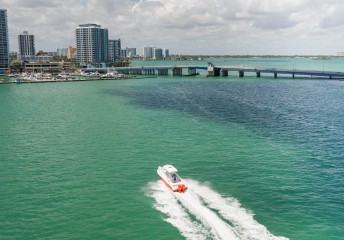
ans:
x=78 y=160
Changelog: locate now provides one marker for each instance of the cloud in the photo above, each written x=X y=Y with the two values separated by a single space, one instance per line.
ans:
x=275 y=21
x=190 y=26
x=333 y=17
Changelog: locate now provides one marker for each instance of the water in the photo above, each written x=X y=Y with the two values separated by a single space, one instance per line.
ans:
x=262 y=157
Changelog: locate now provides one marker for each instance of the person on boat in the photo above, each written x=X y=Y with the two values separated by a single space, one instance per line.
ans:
x=174 y=177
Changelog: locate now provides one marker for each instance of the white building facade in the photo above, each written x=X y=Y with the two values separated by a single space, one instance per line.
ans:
x=147 y=52
x=26 y=45
x=92 y=43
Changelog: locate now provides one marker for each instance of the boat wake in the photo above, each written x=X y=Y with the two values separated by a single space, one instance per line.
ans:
x=202 y=213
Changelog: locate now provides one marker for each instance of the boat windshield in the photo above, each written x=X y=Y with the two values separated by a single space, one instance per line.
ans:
x=175 y=178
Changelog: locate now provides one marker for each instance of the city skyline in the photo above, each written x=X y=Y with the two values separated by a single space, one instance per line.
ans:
x=287 y=27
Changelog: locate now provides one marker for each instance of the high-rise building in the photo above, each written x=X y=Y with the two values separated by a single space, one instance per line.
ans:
x=157 y=54
x=166 y=53
x=114 y=50
x=26 y=44
x=61 y=52
x=148 y=52
x=131 y=52
x=4 y=44
x=124 y=53
x=71 y=52
x=92 y=43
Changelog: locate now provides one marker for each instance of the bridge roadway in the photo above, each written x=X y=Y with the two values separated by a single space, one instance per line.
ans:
x=275 y=72
x=177 y=70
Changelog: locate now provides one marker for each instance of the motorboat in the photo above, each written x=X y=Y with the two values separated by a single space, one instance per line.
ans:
x=169 y=176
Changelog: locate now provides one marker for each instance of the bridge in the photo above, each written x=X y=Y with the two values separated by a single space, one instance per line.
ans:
x=217 y=71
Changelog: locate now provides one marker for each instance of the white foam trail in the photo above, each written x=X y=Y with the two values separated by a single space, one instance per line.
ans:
x=230 y=209
x=177 y=215
x=217 y=217
x=220 y=228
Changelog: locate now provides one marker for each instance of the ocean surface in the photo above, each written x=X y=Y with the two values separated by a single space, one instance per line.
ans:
x=263 y=158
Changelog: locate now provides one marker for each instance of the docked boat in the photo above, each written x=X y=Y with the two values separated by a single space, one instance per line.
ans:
x=169 y=176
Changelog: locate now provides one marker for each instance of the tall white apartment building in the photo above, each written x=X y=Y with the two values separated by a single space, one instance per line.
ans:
x=92 y=43
x=148 y=52
x=26 y=44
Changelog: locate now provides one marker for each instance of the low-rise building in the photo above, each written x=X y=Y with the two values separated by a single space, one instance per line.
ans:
x=40 y=58
x=47 y=66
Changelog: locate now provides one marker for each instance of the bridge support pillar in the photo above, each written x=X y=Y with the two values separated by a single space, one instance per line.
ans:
x=258 y=74
x=213 y=71
x=163 y=72
x=177 y=71
x=241 y=74
x=149 y=72
x=192 y=71
x=217 y=72
x=293 y=75
x=224 y=73
x=275 y=75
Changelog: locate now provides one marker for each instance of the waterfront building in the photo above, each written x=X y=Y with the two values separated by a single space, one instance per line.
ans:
x=40 y=58
x=124 y=53
x=71 y=52
x=26 y=44
x=131 y=52
x=148 y=52
x=157 y=54
x=166 y=53
x=47 y=66
x=61 y=52
x=92 y=43
x=114 y=50
x=4 y=43
x=340 y=54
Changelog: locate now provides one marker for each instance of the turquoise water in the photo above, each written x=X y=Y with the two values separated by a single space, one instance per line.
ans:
x=78 y=160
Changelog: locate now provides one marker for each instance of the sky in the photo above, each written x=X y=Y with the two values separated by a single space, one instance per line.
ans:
x=203 y=27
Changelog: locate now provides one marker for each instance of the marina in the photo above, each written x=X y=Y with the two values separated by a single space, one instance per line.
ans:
x=62 y=77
